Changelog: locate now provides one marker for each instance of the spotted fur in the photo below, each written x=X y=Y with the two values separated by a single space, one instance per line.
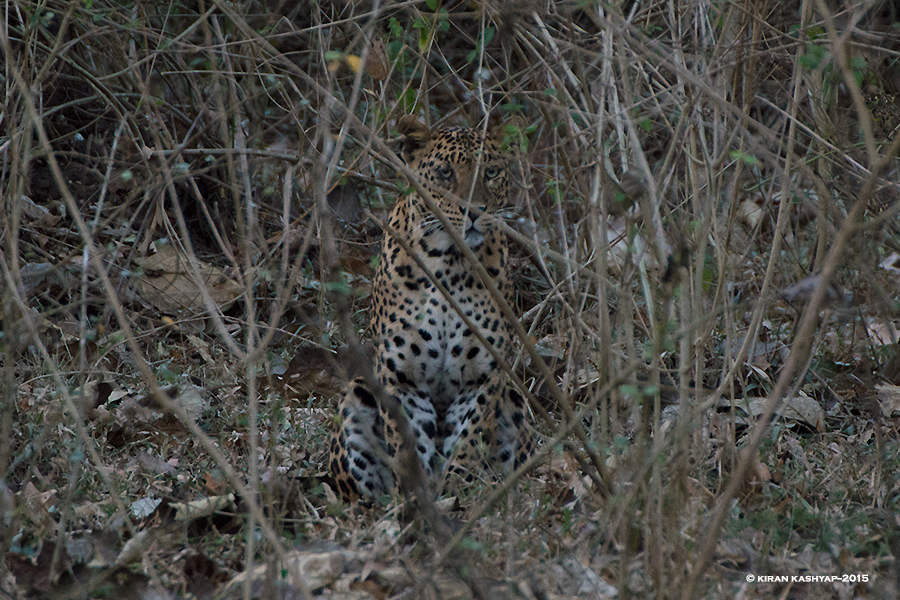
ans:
x=458 y=401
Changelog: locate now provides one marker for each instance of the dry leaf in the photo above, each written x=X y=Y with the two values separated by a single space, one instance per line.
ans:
x=377 y=64
x=805 y=409
x=889 y=399
x=152 y=464
x=758 y=473
x=330 y=496
x=891 y=264
x=190 y=511
x=169 y=285
x=213 y=482
x=144 y=507
x=354 y=62
x=800 y=408
x=317 y=569
x=882 y=334
x=135 y=549
x=801 y=292
x=750 y=212
x=193 y=399
x=553 y=346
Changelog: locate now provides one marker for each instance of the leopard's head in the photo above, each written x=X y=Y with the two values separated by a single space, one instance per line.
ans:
x=464 y=170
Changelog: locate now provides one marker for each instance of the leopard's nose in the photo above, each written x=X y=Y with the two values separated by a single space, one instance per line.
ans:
x=474 y=211
x=472 y=217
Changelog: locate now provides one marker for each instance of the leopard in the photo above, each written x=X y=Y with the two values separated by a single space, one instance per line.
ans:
x=462 y=409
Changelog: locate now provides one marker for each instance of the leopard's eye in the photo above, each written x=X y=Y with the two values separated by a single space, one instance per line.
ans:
x=445 y=172
x=492 y=172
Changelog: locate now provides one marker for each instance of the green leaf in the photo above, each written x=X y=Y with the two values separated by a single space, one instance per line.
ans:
x=341 y=286
x=167 y=375
x=76 y=455
x=747 y=159
x=814 y=57
x=425 y=35
x=488 y=36
x=628 y=389
x=409 y=100
x=650 y=391
x=815 y=32
x=470 y=544
x=859 y=67
x=395 y=29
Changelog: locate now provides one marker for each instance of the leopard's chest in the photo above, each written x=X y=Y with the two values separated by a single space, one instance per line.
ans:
x=422 y=339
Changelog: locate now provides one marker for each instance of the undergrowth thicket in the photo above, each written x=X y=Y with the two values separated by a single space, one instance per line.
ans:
x=707 y=260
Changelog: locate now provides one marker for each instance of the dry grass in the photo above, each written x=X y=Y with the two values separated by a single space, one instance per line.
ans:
x=707 y=259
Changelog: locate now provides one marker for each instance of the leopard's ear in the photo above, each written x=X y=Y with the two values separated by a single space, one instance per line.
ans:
x=415 y=136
